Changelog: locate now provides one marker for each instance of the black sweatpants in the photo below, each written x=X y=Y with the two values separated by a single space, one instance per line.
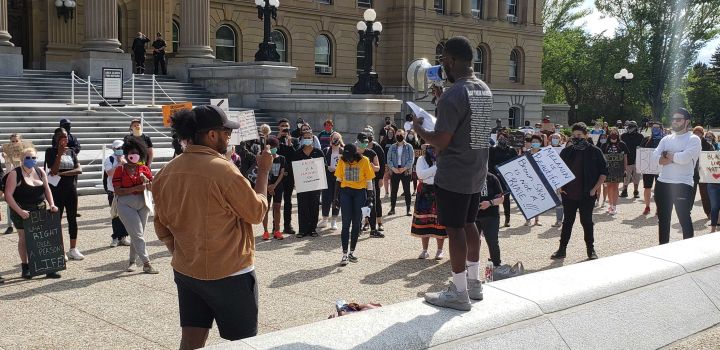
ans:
x=395 y=180
x=139 y=62
x=570 y=209
x=506 y=208
x=66 y=199
x=159 y=59
x=682 y=196
x=118 y=229
x=308 y=210
x=490 y=227
x=376 y=210
x=287 y=206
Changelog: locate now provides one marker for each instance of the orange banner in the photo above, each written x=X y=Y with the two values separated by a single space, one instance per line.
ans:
x=169 y=110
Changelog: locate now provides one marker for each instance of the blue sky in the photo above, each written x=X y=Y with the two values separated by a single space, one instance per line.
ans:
x=595 y=24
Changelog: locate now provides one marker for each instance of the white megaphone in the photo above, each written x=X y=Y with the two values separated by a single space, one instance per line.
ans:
x=421 y=75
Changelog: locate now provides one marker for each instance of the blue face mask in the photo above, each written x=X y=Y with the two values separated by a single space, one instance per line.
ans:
x=603 y=140
x=535 y=145
x=29 y=163
x=307 y=142
x=118 y=152
x=555 y=142
x=656 y=133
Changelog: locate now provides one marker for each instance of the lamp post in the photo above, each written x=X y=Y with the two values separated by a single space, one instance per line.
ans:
x=267 y=9
x=623 y=77
x=65 y=8
x=369 y=32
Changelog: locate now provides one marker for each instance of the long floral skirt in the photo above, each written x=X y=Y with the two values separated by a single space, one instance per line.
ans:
x=425 y=221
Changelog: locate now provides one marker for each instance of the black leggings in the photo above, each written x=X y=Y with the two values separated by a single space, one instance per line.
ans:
x=506 y=208
x=395 y=180
x=66 y=199
x=490 y=226
x=376 y=210
x=327 y=196
x=287 y=208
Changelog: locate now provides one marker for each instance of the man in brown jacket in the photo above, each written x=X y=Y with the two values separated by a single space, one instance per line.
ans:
x=204 y=212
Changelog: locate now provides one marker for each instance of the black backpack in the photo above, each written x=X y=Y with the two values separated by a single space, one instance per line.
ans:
x=105 y=177
x=18 y=170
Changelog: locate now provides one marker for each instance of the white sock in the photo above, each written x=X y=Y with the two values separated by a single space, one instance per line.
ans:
x=473 y=268
x=460 y=281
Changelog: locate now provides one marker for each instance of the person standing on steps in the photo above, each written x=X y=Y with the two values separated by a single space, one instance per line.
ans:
x=136 y=133
x=677 y=154
x=110 y=165
x=159 y=47
x=652 y=141
x=632 y=139
x=588 y=164
x=400 y=160
x=499 y=154
x=138 y=49
x=204 y=212
x=61 y=160
x=461 y=138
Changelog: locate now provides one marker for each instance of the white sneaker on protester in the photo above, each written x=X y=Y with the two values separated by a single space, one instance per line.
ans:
x=125 y=241
x=424 y=255
x=74 y=254
x=333 y=224
x=131 y=267
x=450 y=298
x=439 y=255
x=115 y=242
x=323 y=223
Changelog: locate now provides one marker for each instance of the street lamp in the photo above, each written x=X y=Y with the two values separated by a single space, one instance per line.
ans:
x=267 y=9
x=623 y=77
x=369 y=32
x=65 y=8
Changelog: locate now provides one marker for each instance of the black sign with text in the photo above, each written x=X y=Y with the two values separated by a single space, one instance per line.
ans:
x=43 y=239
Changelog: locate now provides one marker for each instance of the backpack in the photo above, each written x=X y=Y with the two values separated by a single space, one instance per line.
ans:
x=18 y=170
x=105 y=176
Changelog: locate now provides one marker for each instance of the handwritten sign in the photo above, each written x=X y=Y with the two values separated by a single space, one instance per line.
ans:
x=43 y=238
x=248 y=127
x=309 y=175
x=531 y=190
x=616 y=168
x=710 y=167
x=169 y=110
x=644 y=162
x=553 y=167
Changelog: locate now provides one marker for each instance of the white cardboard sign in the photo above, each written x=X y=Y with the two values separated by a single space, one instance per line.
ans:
x=710 y=167
x=644 y=162
x=248 y=127
x=531 y=190
x=309 y=175
x=553 y=167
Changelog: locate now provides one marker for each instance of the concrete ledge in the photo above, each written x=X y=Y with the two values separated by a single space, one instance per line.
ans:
x=628 y=301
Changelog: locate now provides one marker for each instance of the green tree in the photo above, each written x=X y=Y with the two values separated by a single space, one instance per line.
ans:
x=565 y=60
x=562 y=14
x=703 y=94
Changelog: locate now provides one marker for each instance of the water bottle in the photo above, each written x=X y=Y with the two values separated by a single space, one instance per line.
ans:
x=489 y=272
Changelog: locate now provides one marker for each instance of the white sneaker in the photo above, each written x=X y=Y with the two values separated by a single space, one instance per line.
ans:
x=439 y=255
x=344 y=261
x=131 y=267
x=424 y=255
x=125 y=241
x=527 y=223
x=115 y=242
x=333 y=224
x=75 y=254
x=323 y=223
x=66 y=258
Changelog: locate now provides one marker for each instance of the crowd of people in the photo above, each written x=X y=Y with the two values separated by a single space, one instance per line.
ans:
x=457 y=187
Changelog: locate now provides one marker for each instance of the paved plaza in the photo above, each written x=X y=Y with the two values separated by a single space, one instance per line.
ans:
x=98 y=306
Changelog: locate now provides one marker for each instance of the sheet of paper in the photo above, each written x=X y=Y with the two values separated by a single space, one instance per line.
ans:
x=428 y=119
x=53 y=179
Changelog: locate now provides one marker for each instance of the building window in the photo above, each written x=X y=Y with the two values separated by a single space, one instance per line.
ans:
x=479 y=63
x=360 y=57
x=225 y=43
x=280 y=44
x=477 y=8
x=514 y=65
x=365 y=3
x=323 y=55
x=512 y=8
x=175 y=36
x=513 y=116
x=439 y=6
x=326 y=2
x=439 y=53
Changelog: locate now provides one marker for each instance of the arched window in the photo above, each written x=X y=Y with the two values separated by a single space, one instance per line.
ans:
x=280 y=44
x=479 y=62
x=513 y=117
x=175 y=36
x=514 y=65
x=360 y=57
x=323 y=55
x=439 y=52
x=225 y=43
x=512 y=8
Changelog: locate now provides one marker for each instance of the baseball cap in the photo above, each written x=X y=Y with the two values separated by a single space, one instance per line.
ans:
x=684 y=112
x=64 y=121
x=117 y=144
x=212 y=117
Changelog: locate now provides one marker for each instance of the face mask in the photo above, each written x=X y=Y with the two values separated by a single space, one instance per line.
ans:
x=603 y=141
x=399 y=138
x=133 y=158
x=410 y=137
x=299 y=125
x=578 y=141
x=336 y=142
x=328 y=128
x=29 y=163
x=387 y=122
x=273 y=151
x=656 y=132
x=66 y=127
x=555 y=142
x=536 y=145
x=118 y=152
x=363 y=145
x=137 y=131
x=613 y=138
x=632 y=129
x=307 y=142
x=502 y=141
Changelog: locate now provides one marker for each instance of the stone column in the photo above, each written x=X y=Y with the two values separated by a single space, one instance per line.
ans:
x=63 y=42
x=492 y=9
x=10 y=56
x=466 y=10
x=539 y=5
x=455 y=8
x=195 y=31
x=530 y=18
x=101 y=47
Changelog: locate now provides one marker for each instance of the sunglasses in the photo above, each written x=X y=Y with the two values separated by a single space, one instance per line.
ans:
x=15 y=141
x=30 y=157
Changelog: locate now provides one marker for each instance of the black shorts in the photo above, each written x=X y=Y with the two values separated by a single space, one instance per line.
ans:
x=277 y=196
x=648 y=180
x=455 y=210
x=232 y=302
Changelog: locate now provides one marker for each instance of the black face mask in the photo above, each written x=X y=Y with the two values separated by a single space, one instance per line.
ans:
x=399 y=138
x=387 y=122
x=66 y=127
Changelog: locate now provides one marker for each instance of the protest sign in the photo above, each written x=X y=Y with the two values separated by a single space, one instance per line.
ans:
x=531 y=190
x=169 y=110
x=644 y=162
x=248 y=127
x=710 y=167
x=309 y=175
x=616 y=167
x=553 y=168
x=222 y=103
x=43 y=240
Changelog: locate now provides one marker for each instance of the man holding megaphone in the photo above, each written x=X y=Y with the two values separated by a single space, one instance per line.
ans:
x=460 y=136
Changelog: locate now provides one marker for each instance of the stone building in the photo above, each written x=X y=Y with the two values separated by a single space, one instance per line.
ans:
x=319 y=37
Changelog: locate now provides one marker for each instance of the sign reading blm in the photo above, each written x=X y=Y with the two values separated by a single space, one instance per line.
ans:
x=43 y=239
x=309 y=175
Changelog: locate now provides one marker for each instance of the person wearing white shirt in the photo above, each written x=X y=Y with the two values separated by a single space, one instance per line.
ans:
x=112 y=162
x=425 y=224
x=677 y=154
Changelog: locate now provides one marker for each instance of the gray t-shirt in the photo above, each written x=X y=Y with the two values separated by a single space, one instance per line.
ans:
x=464 y=110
